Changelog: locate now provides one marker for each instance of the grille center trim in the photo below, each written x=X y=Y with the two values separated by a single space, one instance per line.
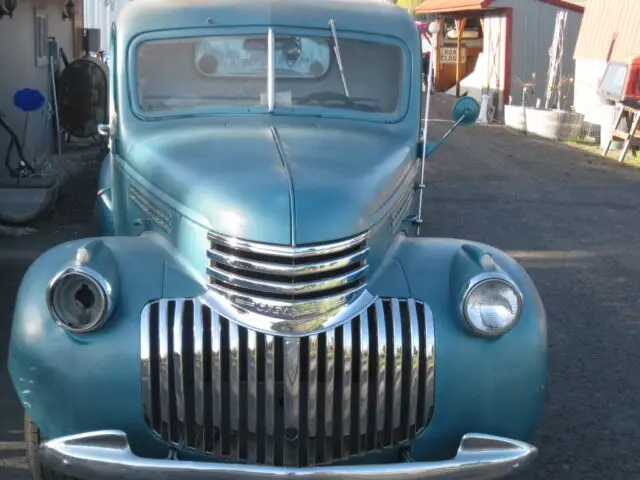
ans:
x=284 y=290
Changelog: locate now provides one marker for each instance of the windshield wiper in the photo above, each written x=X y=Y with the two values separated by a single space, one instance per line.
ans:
x=336 y=49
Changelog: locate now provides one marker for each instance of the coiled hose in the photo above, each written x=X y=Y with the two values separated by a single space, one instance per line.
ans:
x=25 y=167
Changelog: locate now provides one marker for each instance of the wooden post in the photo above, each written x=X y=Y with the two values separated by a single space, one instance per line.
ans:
x=436 y=52
x=460 y=24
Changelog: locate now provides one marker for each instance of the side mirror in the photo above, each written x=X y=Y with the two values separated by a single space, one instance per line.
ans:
x=466 y=111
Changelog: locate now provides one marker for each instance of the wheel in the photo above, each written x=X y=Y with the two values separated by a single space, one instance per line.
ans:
x=33 y=439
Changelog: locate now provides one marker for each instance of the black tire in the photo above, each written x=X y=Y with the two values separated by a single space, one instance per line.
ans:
x=33 y=439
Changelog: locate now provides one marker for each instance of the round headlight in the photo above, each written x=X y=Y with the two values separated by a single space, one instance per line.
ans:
x=491 y=305
x=78 y=300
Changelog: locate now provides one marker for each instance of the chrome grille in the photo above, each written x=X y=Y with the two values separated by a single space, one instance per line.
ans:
x=277 y=272
x=213 y=386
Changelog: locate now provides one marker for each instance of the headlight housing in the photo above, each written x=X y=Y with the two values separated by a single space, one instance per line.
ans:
x=79 y=299
x=491 y=304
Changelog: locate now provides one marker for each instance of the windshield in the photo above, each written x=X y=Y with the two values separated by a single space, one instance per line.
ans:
x=221 y=72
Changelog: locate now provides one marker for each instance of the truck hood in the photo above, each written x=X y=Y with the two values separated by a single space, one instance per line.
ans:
x=301 y=184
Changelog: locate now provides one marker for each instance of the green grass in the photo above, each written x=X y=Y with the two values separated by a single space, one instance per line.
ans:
x=613 y=155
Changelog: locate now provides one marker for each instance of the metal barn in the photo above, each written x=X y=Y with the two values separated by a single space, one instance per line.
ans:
x=493 y=46
x=610 y=32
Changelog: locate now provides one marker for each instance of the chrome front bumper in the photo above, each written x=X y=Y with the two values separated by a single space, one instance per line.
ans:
x=106 y=455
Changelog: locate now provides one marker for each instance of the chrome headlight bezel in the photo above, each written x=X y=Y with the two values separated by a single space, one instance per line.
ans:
x=101 y=286
x=483 y=279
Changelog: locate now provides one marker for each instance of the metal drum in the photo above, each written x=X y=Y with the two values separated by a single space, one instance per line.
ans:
x=83 y=95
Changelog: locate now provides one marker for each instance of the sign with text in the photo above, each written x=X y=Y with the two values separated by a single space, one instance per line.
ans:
x=450 y=55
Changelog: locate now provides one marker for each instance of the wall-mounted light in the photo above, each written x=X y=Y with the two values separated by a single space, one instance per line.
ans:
x=7 y=7
x=69 y=10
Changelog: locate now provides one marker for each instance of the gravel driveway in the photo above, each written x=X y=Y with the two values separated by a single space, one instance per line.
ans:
x=573 y=222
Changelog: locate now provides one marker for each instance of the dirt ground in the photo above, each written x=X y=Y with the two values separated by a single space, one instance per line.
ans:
x=573 y=221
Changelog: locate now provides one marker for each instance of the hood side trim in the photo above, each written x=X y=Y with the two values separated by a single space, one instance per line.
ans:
x=292 y=197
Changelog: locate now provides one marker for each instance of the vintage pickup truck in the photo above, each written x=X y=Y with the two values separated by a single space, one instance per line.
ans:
x=258 y=303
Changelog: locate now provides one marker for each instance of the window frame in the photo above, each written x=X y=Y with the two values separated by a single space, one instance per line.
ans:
x=178 y=33
x=41 y=37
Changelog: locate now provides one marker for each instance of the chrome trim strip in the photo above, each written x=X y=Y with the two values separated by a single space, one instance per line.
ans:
x=287 y=251
x=287 y=270
x=106 y=454
x=286 y=288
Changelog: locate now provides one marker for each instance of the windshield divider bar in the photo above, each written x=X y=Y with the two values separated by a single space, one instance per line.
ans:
x=270 y=70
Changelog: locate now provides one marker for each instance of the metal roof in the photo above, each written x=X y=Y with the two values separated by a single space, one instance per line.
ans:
x=450 y=6
x=605 y=20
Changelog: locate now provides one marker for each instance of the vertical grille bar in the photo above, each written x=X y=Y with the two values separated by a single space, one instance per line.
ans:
x=312 y=398
x=414 y=335
x=330 y=351
x=291 y=399
x=382 y=372
x=163 y=351
x=364 y=380
x=178 y=375
x=396 y=321
x=430 y=353
x=269 y=402
x=234 y=389
x=145 y=357
x=347 y=345
x=198 y=374
x=212 y=385
x=216 y=382
x=252 y=394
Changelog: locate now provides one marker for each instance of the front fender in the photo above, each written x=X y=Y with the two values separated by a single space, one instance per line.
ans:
x=60 y=377
x=494 y=386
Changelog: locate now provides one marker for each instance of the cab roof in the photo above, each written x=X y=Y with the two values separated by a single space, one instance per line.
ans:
x=370 y=16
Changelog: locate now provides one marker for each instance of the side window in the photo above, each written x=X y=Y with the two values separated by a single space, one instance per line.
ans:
x=41 y=34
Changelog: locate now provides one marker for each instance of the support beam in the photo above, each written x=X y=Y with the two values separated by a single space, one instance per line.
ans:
x=460 y=26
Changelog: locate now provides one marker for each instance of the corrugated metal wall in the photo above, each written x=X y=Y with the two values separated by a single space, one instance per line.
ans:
x=101 y=14
x=532 y=33
x=602 y=20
